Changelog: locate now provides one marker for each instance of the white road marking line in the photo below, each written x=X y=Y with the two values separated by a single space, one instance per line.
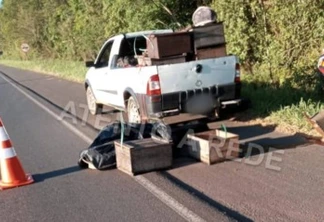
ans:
x=68 y=125
x=168 y=200
x=149 y=186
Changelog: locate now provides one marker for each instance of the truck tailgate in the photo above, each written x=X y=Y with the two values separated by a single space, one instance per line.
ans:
x=187 y=76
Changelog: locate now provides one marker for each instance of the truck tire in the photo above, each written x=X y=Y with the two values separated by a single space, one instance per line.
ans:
x=133 y=113
x=93 y=107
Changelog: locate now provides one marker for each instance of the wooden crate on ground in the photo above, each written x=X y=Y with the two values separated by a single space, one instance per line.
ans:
x=213 y=146
x=141 y=156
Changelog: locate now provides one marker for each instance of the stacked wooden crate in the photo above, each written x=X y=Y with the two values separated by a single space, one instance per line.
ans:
x=209 y=41
x=167 y=48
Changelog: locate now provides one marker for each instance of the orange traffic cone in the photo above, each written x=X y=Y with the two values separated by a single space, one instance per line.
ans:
x=12 y=173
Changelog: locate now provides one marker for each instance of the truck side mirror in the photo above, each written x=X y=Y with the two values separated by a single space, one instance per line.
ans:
x=89 y=64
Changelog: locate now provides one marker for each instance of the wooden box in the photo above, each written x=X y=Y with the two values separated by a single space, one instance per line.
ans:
x=169 y=60
x=214 y=52
x=140 y=156
x=213 y=146
x=143 y=61
x=170 y=44
x=209 y=35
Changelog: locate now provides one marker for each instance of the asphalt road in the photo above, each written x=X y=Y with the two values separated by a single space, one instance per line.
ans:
x=289 y=189
x=49 y=151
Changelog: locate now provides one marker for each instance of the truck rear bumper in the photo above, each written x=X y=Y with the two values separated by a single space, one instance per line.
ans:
x=231 y=104
x=234 y=102
x=182 y=102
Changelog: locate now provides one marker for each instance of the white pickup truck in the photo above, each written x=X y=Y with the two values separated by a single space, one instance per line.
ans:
x=145 y=93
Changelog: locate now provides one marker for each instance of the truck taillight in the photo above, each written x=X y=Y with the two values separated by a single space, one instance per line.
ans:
x=237 y=73
x=153 y=86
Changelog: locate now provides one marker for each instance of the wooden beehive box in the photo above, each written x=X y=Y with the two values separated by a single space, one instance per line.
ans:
x=209 y=35
x=213 y=146
x=213 y=52
x=171 y=44
x=141 y=156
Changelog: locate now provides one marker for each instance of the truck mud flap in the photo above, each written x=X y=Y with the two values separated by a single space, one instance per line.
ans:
x=317 y=121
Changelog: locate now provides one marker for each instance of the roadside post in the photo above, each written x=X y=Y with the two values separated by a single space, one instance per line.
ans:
x=25 y=48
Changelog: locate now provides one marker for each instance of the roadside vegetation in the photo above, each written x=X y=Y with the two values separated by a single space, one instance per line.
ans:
x=284 y=105
x=74 y=71
x=278 y=43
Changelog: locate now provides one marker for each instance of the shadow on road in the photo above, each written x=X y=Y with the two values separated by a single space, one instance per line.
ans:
x=201 y=196
x=250 y=132
x=56 y=173
x=253 y=139
x=256 y=140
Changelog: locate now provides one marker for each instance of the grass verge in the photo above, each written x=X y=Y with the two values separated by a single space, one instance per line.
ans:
x=74 y=71
x=283 y=106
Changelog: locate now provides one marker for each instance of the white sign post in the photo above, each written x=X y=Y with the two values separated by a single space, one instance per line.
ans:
x=25 y=48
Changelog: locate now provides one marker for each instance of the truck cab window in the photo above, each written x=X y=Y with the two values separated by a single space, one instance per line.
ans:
x=129 y=48
x=105 y=55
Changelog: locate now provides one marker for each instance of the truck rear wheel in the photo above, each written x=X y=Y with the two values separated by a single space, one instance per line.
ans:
x=93 y=107
x=133 y=113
